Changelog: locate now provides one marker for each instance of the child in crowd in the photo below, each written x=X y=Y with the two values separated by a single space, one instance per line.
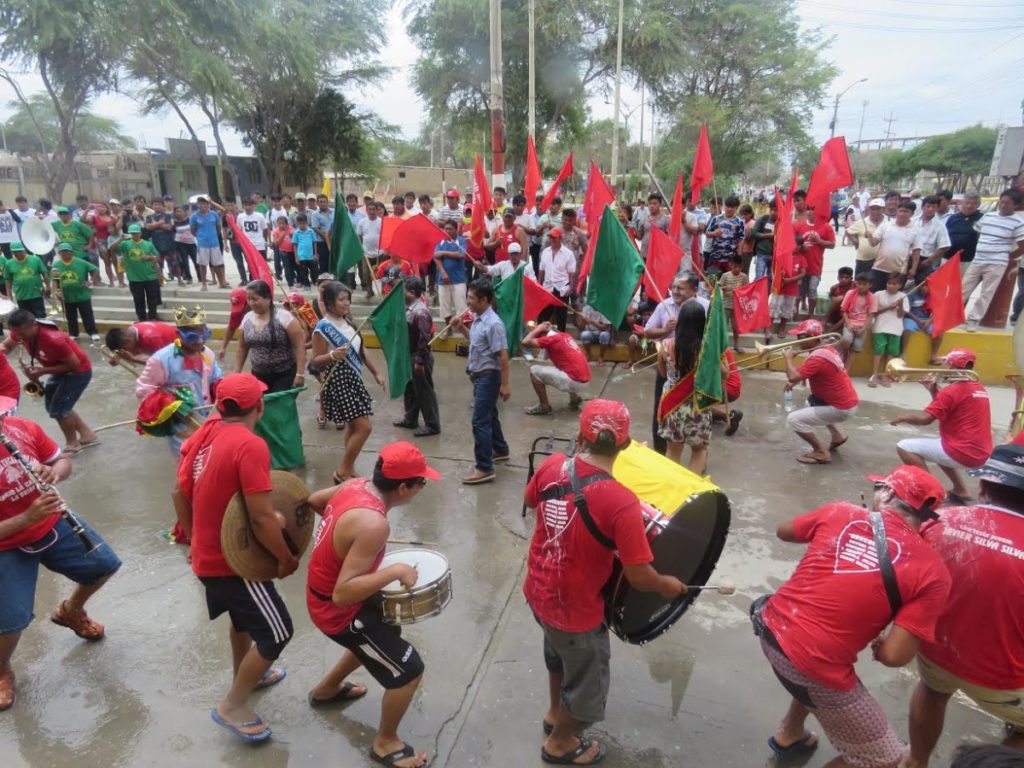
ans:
x=281 y=240
x=782 y=306
x=735 y=278
x=836 y=294
x=888 y=328
x=304 y=241
x=392 y=272
x=595 y=329
x=917 y=316
x=858 y=307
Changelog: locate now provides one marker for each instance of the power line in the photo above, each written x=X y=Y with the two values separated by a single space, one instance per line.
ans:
x=912 y=16
x=999 y=26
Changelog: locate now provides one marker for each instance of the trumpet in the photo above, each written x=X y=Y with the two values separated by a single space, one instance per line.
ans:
x=32 y=387
x=769 y=353
x=897 y=368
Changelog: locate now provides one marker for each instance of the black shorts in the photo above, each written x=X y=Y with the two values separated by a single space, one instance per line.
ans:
x=380 y=647
x=254 y=607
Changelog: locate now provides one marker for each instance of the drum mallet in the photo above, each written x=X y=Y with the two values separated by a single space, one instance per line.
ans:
x=410 y=543
x=725 y=588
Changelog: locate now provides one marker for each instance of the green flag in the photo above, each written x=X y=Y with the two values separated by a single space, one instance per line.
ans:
x=280 y=428
x=615 y=271
x=707 y=377
x=346 y=250
x=388 y=322
x=508 y=295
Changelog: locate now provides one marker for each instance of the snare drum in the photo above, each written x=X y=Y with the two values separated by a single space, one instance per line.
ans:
x=431 y=593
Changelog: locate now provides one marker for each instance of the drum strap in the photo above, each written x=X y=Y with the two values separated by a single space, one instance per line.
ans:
x=892 y=590
x=576 y=487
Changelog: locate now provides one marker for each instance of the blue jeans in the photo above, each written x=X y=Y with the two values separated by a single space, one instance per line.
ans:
x=488 y=439
x=762 y=267
x=60 y=393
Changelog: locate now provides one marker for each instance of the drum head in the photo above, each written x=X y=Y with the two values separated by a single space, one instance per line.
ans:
x=688 y=548
x=430 y=566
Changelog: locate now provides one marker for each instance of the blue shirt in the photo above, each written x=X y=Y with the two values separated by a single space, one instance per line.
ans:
x=207 y=228
x=303 y=240
x=356 y=216
x=323 y=221
x=456 y=268
x=486 y=342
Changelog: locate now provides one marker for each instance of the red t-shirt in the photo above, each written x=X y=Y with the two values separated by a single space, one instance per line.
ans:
x=505 y=238
x=567 y=566
x=980 y=634
x=733 y=382
x=9 y=384
x=53 y=347
x=965 y=422
x=324 y=563
x=835 y=603
x=793 y=288
x=154 y=336
x=17 y=491
x=828 y=379
x=217 y=462
x=567 y=356
x=859 y=307
x=815 y=254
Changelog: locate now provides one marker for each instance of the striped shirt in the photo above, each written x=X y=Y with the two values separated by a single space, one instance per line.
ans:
x=998 y=237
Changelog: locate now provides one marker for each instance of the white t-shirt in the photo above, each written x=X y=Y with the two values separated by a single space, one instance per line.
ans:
x=504 y=268
x=896 y=246
x=253 y=225
x=369 y=233
x=998 y=237
x=888 y=322
x=273 y=215
x=933 y=236
x=8 y=227
x=557 y=268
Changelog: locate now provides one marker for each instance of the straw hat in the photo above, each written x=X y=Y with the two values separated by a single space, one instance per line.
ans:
x=243 y=552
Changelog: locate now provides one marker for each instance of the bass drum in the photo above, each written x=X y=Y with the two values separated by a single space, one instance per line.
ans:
x=687 y=520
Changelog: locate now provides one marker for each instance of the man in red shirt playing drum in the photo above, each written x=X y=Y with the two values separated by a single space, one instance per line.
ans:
x=862 y=570
x=54 y=353
x=965 y=426
x=344 y=577
x=33 y=533
x=979 y=637
x=569 y=372
x=222 y=458
x=571 y=557
x=139 y=340
x=832 y=399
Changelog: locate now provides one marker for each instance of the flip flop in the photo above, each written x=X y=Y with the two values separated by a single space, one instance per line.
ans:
x=70 y=451
x=343 y=695
x=806 y=458
x=569 y=758
x=394 y=757
x=249 y=738
x=835 y=444
x=802 y=746
x=270 y=678
x=89 y=444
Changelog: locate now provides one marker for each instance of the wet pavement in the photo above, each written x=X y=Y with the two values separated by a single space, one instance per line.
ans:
x=701 y=695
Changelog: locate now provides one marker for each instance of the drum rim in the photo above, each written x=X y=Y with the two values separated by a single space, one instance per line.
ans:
x=426 y=585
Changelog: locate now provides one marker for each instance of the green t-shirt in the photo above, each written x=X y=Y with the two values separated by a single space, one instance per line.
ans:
x=74 y=233
x=26 y=277
x=261 y=208
x=74 y=279
x=137 y=269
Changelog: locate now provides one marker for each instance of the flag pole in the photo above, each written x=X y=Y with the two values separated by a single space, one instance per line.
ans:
x=653 y=284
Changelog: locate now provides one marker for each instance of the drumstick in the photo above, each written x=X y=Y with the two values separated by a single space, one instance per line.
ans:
x=411 y=543
x=725 y=588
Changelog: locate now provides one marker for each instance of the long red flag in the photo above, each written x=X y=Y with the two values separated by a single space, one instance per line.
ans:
x=599 y=196
x=535 y=298
x=946 y=296
x=675 y=221
x=663 y=257
x=481 y=204
x=784 y=243
x=703 y=167
x=388 y=226
x=258 y=267
x=750 y=306
x=831 y=173
x=415 y=239
x=552 y=192
x=532 y=181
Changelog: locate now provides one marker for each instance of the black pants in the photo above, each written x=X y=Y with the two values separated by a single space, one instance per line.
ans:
x=278 y=263
x=187 y=257
x=306 y=273
x=561 y=314
x=659 y=442
x=72 y=309
x=323 y=257
x=277 y=381
x=239 y=257
x=291 y=269
x=146 y=295
x=366 y=276
x=36 y=306
x=535 y=257
x=420 y=397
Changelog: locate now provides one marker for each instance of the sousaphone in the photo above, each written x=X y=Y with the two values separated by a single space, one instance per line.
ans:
x=38 y=236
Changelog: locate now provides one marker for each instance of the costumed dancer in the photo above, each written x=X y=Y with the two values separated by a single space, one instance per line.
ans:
x=34 y=531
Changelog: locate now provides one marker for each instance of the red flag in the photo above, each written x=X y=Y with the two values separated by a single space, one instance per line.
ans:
x=254 y=260
x=599 y=196
x=663 y=257
x=533 y=180
x=415 y=239
x=784 y=243
x=481 y=189
x=794 y=184
x=703 y=167
x=552 y=192
x=750 y=305
x=831 y=173
x=535 y=298
x=946 y=296
x=675 y=222
x=388 y=225
x=481 y=204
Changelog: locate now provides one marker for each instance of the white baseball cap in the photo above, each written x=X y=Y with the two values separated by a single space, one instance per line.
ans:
x=515 y=248
x=876 y=202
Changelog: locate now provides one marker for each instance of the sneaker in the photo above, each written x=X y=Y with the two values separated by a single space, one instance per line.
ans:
x=735 y=416
x=95 y=337
x=497 y=458
x=873 y=382
x=575 y=401
x=971 y=328
x=537 y=410
x=476 y=477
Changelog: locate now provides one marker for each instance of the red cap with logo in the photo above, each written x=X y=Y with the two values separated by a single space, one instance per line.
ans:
x=959 y=357
x=556 y=232
x=600 y=416
x=403 y=460
x=239 y=305
x=243 y=388
x=913 y=486
x=808 y=328
x=7 y=405
x=296 y=299
x=453 y=192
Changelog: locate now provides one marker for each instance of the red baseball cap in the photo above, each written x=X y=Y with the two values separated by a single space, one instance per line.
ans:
x=243 y=388
x=808 y=328
x=556 y=232
x=960 y=357
x=296 y=299
x=7 y=405
x=914 y=486
x=403 y=460
x=600 y=416
x=453 y=192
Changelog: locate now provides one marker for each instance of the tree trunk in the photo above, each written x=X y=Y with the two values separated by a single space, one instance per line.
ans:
x=212 y=113
x=197 y=143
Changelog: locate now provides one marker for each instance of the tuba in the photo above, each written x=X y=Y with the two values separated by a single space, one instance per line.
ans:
x=38 y=236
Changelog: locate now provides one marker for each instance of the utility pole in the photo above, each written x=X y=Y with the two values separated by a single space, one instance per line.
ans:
x=497 y=99
x=532 y=87
x=863 y=112
x=888 y=128
x=652 y=135
x=835 y=107
x=615 y=109
x=640 y=162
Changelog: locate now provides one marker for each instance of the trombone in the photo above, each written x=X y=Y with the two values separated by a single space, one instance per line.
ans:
x=768 y=353
x=647 y=362
x=897 y=368
x=115 y=359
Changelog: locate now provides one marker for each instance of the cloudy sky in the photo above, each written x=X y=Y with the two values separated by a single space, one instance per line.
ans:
x=933 y=66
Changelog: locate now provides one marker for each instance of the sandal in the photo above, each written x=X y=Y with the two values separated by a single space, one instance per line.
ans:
x=321 y=421
x=808 y=743
x=537 y=410
x=570 y=758
x=271 y=677
x=79 y=623
x=251 y=738
x=806 y=458
x=394 y=757
x=836 y=444
x=8 y=691
x=341 y=696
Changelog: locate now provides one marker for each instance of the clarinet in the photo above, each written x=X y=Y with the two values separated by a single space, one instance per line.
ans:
x=69 y=517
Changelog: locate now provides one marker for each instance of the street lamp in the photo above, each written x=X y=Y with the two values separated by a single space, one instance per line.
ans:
x=835 y=108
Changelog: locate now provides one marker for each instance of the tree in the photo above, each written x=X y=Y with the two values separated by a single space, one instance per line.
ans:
x=24 y=137
x=953 y=157
x=76 y=51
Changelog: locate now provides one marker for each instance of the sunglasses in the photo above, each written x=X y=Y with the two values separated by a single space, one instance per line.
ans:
x=194 y=337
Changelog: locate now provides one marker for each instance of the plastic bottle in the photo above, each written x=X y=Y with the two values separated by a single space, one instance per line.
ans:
x=788 y=401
